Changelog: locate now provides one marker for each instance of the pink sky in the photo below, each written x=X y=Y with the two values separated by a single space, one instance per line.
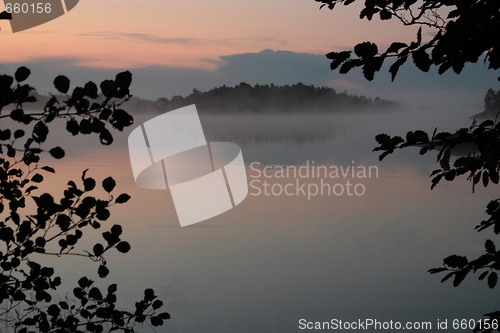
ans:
x=125 y=33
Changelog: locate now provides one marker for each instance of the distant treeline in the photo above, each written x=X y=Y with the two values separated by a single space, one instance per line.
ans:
x=264 y=99
x=245 y=98
x=491 y=107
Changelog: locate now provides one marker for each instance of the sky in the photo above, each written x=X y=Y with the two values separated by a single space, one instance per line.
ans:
x=172 y=47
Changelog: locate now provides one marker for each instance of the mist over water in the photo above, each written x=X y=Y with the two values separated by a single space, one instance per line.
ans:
x=273 y=260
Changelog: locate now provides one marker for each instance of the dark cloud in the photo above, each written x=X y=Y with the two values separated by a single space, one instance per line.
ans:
x=278 y=67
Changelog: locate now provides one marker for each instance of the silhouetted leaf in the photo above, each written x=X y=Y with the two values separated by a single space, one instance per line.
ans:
x=123 y=247
x=97 y=125
x=368 y=12
x=5 y=16
x=149 y=295
x=371 y=66
x=157 y=304
x=104 y=115
x=140 y=318
x=483 y=275
x=164 y=315
x=450 y=175
x=490 y=247
x=53 y=310
x=47 y=271
x=385 y=15
x=82 y=210
x=338 y=58
x=38 y=178
x=348 y=65
x=455 y=261
x=103 y=214
x=123 y=80
x=422 y=60
x=492 y=280
x=78 y=292
x=108 y=88
x=395 y=47
x=383 y=139
x=103 y=271
x=437 y=270
x=121 y=119
x=89 y=184
x=57 y=152
x=459 y=277
x=73 y=127
x=17 y=115
x=89 y=202
x=116 y=230
x=40 y=241
x=91 y=90
x=156 y=321
x=105 y=137
x=110 y=238
x=40 y=132
x=22 y=74
x=122 y=198
x=18 y=134
x=419 y=36
x=95 y=293
x=48 y=169
x=5 y=134
x=424 y=150
x=444 y=67
x=366 y=50
x=71 y=240
x=458 y=66
x=62 y=84
x=108 y=184
x=85 y=282
x=395 y=67
x=112 y=288
x=98 y=249
x=436 y=180
x=486 y=178
x=11 y=152
x=85 y=126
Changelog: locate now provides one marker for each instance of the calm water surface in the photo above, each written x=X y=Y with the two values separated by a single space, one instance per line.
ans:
x=274 y=260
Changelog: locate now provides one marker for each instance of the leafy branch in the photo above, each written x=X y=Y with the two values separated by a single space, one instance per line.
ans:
x=464 y=31
x=26 y=287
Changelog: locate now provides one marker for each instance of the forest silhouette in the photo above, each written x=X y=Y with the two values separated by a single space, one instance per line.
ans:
x=262 y=99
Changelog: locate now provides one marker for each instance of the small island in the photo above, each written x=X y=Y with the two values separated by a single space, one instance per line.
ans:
x=268 y=99
x=258 y=99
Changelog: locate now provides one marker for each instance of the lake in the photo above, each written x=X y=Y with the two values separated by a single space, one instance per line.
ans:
x=275 y=260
